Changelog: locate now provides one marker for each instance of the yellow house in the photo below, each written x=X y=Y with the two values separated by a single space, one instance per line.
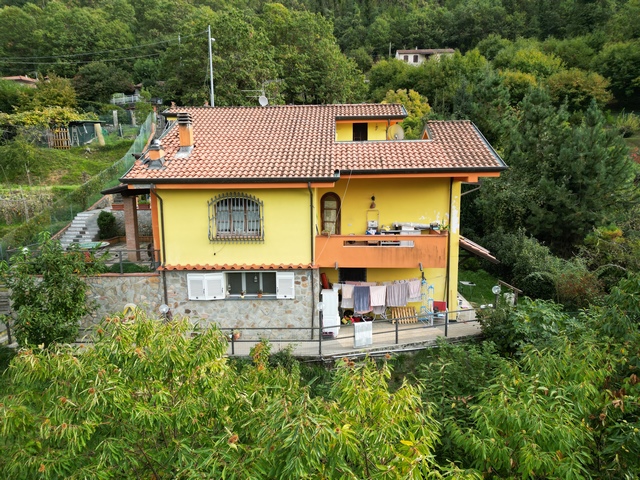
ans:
x=284 y=201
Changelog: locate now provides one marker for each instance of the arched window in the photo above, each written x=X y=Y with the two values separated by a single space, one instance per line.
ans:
x=330 y=211
x=236 y=217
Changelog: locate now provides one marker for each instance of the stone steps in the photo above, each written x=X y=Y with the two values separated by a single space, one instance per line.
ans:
x=83 y=229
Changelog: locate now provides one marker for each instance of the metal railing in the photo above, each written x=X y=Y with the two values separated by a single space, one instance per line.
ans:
x=122 y=258
x=124 y=99
x=400 y=333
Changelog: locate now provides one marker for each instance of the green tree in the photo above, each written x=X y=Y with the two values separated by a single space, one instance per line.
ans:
x=242 y=60
x=310 y=63
x=54 y=91
x=564 y=180
x=620 y=63
x=98 y=81
x=526 y=57
x=417 y=111
x=152 y=399
x=578 y=88
x=11 y=95
x=49 y=309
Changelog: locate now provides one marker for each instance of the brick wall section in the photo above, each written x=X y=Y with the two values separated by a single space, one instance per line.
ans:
x=112 y=292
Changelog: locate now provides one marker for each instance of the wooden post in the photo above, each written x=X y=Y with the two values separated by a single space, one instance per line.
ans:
x=98 y=129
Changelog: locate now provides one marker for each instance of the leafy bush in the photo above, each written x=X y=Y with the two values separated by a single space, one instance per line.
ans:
x=525 y=263
x=150 y=398
x=107 y=225
x=510 y=328
x=50 y=308
x=628 y=124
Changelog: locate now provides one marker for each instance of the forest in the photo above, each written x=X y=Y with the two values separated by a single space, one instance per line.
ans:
x=553 y=389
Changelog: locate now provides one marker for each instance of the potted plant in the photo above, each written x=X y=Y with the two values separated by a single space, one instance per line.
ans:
x=260 y=293
x=235 y=334
x=242 y=294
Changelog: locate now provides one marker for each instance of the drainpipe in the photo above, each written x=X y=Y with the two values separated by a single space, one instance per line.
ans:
x=448 y=274
x=164 y=273
x=313 y=290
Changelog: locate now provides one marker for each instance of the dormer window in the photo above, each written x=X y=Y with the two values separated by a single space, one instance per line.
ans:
x=360 y=132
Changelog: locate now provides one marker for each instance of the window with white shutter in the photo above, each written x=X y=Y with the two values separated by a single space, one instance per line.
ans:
x=205 y=286
x=285 y=285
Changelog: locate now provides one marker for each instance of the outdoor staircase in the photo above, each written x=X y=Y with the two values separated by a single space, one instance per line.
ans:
x=83 y=229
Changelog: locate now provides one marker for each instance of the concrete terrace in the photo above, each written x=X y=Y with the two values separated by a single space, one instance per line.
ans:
x=387 y=337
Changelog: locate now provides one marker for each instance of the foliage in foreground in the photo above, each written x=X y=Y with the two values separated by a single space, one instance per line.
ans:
x=567 y=405
x=151 y=400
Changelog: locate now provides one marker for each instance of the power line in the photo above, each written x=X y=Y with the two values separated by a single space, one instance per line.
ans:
x=77 y=62
x=36 y=59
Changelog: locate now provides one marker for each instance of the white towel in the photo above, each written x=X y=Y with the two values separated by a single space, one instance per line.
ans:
x=378 y=295
x=414 y=291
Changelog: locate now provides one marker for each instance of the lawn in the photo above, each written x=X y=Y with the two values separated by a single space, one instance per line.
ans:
x=480 y=293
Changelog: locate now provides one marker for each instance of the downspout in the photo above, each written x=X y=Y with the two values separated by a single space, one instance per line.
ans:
x=313 y=290
x=448 y=274
x=164 y=272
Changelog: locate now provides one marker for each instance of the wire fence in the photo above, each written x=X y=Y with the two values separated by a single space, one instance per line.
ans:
x=64 y=209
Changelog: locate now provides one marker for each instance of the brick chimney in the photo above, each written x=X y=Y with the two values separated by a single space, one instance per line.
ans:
x=185 y=129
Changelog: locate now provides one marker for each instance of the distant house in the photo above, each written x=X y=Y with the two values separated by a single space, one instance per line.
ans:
x=419 y=55
x=22 y=80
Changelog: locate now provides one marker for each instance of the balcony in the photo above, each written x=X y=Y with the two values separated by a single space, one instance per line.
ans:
x=382 y=251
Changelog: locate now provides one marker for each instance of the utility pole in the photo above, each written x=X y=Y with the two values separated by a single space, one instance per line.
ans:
x=213 y=101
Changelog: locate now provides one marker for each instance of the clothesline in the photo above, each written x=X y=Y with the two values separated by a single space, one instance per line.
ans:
x=364 y=297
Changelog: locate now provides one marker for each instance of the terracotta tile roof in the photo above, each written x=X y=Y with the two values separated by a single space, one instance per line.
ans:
x=238 y=267
x=426 y=51
x=298 y=142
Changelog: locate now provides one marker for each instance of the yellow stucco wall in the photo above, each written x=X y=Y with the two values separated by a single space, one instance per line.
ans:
x=419 y=200
x=286 y=225
x=375 y=131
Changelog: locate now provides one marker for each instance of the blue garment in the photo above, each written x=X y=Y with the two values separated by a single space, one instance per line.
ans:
x=361 y=299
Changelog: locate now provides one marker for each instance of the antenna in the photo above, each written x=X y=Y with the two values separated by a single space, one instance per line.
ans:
x=264 y=101
x=395 y=132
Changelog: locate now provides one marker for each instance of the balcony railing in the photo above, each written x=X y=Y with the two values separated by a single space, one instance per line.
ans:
x=381 y=251
x=124 y=99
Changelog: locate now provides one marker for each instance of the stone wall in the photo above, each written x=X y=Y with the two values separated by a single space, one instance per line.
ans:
x=144 y=222
x=265 y=316
x=112 y=292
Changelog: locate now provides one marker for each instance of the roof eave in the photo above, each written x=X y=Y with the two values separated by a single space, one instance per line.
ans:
x=217 y=180
x=395 y=171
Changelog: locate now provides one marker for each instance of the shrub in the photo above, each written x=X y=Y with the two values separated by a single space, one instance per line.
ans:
x=628 y=124
x=107 y=225
x=532 y=321
x=525 y=263
x=48 y=309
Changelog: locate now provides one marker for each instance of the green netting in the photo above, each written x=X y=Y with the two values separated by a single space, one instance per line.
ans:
x=65 y=208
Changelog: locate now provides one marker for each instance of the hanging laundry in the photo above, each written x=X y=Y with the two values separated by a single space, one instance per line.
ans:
x=414 y=290
x=397 y=294
x=378 y=295
x=347 y=296
x=361 y=299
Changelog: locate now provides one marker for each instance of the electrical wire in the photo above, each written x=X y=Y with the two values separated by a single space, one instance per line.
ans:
x=79 y=62
x=36 y=59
